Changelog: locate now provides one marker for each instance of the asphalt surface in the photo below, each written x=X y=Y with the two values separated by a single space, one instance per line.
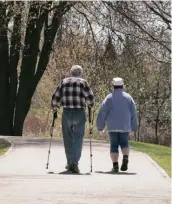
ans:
x=25 y=180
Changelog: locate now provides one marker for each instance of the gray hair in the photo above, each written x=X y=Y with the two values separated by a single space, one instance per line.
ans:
x=76 y=70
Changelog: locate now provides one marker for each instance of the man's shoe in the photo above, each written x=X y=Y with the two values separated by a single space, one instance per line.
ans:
x=74 y=169
x=115 y=167
x=124 y=165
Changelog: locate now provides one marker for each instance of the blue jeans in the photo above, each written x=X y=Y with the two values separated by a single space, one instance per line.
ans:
x=118 y=139
x=73 y=128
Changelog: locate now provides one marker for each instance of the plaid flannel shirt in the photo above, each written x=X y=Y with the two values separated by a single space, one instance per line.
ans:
x=73 y=92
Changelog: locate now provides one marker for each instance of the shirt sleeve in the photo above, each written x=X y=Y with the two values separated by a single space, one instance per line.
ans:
x=134 y=122
x=89 y=96
x=55 y=103
x=102 y=115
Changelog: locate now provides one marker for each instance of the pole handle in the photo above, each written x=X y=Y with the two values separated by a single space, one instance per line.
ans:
x=89 y=114
x=52 y=126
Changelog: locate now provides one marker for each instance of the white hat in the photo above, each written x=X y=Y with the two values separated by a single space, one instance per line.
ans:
x=117 y=81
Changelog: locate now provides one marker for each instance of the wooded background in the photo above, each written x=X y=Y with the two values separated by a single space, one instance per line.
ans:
x=41 y=40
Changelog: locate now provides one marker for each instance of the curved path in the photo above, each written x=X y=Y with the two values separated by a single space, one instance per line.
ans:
x=25 y=180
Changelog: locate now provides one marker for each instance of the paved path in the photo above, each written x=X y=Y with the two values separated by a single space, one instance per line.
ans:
x=25 y=180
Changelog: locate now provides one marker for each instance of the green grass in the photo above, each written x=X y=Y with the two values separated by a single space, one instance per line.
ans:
x=4 y=146
x=161 y=154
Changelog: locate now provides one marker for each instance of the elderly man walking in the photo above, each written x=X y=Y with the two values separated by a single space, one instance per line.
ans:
x=73 y=94
x=118 y=112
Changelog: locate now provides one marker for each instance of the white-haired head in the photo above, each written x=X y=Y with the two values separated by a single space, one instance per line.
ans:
x=76 y=71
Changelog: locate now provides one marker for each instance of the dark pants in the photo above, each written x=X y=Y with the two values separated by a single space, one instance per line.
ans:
x=73 y=128
x=118 y=139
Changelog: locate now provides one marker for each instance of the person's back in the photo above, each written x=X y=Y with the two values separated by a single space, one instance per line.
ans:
x=118 y=113
x=73 y=94
x=120 y=107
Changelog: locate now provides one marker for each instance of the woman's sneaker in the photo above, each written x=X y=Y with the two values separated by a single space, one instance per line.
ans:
x=124 y=165
x=115 y=167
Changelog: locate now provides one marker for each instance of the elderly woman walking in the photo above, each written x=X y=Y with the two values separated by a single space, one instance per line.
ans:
x=73 y=94
x=118 y=113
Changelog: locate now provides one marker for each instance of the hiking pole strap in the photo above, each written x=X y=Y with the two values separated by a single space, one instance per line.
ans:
x=89 y=114
x=54 y=118
x=90 y=121
x=52 y=128
x=53 y=122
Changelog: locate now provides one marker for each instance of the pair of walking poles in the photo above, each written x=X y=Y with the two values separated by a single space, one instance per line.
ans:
x=90 y=136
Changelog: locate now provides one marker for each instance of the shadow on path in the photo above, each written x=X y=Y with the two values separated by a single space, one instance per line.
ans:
x=116 y=173
x=69 y=173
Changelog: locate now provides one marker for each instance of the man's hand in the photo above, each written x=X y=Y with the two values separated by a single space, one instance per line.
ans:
x=102 y=133
x=90 y=129
x=55 y=114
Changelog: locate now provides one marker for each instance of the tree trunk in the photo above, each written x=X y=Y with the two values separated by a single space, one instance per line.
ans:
x=14 y=59
x=157 y=127
x=22 y=108
x=29 y=61
x=157 y=114
x=31 y=71
x=4 y=73
x=138 y=97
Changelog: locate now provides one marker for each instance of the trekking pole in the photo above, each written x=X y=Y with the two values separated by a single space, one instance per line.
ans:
x=51 y=133
x=90 y=134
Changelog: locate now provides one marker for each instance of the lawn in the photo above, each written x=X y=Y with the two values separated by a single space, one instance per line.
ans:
x=161 y=154
x=4 y=146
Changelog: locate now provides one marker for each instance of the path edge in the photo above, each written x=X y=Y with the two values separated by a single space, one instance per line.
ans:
x=9 y=150
x=158 y=167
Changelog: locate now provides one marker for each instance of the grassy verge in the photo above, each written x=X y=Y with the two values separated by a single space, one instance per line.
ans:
x=161 y=154
x=4 y=146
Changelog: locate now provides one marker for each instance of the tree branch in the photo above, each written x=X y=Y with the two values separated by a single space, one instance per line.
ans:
x=158 y=60
x=119 y=10
x=168 y=14
x=50 y=33
x=168 y=22
x=10 y=12
x=89 y=23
